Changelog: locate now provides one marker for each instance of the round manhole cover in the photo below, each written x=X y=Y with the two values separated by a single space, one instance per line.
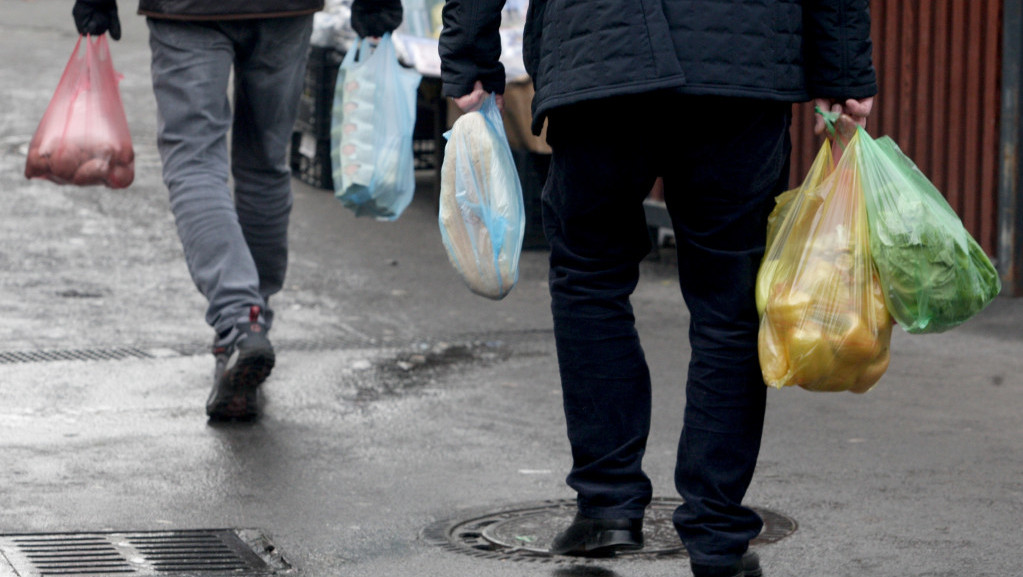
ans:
x=525 y=532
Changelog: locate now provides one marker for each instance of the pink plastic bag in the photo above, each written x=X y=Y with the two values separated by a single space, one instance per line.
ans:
x=83 y=138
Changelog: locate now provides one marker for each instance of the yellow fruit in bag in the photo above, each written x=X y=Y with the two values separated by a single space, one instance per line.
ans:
x=774 y=356
x=810 y=355
x=871 y=374
x=766 y=283
x=841 y=378
x=853 y=340
x=789 y=308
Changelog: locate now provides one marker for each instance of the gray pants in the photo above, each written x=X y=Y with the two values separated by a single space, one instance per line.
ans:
x=236 y=247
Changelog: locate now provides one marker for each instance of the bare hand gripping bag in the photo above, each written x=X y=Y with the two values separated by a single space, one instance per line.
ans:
x=481 y=213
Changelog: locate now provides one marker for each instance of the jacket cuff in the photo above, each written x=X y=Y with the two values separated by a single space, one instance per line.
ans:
x=844 y=92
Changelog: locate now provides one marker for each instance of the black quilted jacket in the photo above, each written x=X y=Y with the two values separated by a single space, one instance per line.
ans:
x=226 y=9
x=787 y=50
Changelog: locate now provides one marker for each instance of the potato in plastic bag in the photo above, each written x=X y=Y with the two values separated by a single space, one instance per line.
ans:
x=824 y=325
x=482 y=216
x=83 y=138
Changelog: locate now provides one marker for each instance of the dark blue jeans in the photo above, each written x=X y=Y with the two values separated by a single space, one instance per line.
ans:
x=723 y=161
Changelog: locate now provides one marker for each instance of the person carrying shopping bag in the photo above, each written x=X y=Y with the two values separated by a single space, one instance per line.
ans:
x=699 y=93
x=235 y=240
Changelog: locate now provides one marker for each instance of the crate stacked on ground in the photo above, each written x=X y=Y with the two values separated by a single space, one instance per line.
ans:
x=428 y=135
x=310 y=143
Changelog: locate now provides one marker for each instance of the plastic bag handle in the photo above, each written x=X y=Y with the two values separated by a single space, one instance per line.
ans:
x=830 y=119
x=363 y=48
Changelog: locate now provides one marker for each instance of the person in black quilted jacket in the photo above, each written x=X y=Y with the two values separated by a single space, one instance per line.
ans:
x=700 y=93
x=234 y=239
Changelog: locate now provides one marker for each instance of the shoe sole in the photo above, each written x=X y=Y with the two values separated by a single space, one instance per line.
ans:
x=236 y=397
x=604 y=544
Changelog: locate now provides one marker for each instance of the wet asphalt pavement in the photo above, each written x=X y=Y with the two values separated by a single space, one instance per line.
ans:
x=400 y=399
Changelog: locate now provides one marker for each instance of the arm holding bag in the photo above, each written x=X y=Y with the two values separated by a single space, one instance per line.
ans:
x=481 y=213
x=372 y=120
x=83 y=137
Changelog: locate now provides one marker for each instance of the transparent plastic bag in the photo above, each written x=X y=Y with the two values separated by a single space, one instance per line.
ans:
x=83 y=137
x=482 y=216
x=372 y=120
x=824 y=325
x=779 y=223
x=934 y=274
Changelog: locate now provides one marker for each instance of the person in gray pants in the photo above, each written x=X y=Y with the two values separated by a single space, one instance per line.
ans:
x=235 y=241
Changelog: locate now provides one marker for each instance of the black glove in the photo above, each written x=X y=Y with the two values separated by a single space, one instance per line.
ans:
x=375 y=17
x=96 y=17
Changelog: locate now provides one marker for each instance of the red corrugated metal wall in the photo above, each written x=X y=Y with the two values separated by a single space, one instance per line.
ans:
x=938 y=65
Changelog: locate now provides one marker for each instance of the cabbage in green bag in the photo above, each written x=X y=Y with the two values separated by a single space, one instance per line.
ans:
x=934 y=274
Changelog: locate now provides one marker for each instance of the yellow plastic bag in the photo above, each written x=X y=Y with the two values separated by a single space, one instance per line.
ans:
x=823 y=321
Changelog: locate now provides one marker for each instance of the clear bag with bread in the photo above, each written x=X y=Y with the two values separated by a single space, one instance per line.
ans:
x=83 y=137
x=481 y=216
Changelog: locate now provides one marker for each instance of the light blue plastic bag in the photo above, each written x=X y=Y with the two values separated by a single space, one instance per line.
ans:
x=481 y=210
x=372 y=119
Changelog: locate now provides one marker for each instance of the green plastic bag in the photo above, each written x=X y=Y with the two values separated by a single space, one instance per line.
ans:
x=933 y=273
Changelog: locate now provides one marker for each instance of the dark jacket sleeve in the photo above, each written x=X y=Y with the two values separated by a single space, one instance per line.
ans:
x=470 y=47
x=838 y=49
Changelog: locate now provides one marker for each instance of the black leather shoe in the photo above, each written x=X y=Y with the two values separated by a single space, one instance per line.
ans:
x=749 y=566
x=599 y=537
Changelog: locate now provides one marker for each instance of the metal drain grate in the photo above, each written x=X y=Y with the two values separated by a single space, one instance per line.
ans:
x=524 y=533
x=72 y=555
x=210 y=553
x=164 y=351
x=113 y=354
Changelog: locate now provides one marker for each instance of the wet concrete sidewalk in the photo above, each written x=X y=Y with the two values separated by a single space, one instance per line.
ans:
x=403 y=405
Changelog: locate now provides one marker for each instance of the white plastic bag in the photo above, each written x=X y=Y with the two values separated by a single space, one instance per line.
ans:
x=481 y=210
x=372 y=119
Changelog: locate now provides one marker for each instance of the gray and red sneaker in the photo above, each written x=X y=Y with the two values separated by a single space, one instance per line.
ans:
x=244 y=360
